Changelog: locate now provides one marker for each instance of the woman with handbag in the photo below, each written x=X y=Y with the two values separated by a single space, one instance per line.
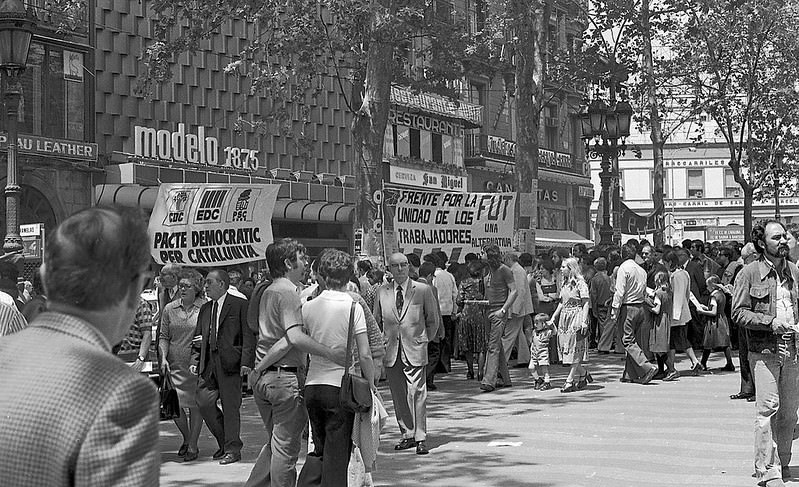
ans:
x=177 y=331
x=333 y=319
x=571 y=317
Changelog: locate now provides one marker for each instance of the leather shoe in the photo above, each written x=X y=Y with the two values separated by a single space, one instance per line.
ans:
x=786 y=472
x=183 y=449
x=432 y=387
x=486 y=388
x=421 y=448
x=750 y=399
x=741 y=395
x=218 y=454
x=230 y=458
x=405 y=444
x=191 y=456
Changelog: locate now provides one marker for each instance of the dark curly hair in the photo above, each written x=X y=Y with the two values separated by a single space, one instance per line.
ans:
x=335 y=267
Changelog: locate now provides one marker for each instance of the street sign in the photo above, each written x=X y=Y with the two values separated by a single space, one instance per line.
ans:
x=32 y=240
x=725 y=234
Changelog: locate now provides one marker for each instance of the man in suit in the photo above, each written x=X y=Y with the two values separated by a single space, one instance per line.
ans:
x=222 y=353
x=407 y=312
x=71 y=413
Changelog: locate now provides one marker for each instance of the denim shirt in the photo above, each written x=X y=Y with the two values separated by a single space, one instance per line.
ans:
x=754 y=304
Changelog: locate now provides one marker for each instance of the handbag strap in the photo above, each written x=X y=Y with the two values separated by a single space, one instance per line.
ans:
x=348 y=359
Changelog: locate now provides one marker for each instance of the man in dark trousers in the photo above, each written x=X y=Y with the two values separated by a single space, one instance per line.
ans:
x=222 y=353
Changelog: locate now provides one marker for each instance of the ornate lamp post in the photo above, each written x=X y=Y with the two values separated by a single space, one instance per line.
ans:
x=605 y=127
x=16 y=31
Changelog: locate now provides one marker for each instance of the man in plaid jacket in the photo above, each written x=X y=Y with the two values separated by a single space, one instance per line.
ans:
x=71 y=413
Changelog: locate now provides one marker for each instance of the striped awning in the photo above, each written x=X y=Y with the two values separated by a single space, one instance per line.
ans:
x=139 y=196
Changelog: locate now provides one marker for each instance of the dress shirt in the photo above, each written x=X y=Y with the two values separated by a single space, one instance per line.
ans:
x=219 y=303
x=447 y=291
x=630 y=284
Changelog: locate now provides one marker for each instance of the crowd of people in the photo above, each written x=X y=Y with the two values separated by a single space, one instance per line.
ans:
x=295 y=331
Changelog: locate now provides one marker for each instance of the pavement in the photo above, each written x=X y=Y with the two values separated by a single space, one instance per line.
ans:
x=616 y=434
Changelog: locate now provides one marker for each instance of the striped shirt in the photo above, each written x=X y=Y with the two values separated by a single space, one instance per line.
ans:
x=11 y=320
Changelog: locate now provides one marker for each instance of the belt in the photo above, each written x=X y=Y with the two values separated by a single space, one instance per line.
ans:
x=275 y=368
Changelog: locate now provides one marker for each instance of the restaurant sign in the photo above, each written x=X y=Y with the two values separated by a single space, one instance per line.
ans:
x=50 y=147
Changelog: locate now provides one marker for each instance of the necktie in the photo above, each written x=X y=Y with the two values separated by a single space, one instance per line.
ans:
x=400 y=300
x=212 y=329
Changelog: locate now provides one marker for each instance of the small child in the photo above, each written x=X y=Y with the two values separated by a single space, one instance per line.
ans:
x=539 y=352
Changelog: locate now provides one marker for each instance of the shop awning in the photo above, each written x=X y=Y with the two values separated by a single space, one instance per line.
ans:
x=559 y=238
x=138 y=196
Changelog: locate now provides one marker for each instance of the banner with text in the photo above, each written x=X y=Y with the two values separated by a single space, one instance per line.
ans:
x=457 y=223
x=212 y=225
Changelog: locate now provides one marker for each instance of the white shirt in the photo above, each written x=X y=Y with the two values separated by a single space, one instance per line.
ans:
x=6 y=298
x=630 y=284
x=219 y=303
x=447 y=291
x=327 y=319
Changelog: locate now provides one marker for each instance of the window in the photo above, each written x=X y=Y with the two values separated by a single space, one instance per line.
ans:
x=437 y=149
x=53 y=94
x=696 y=183
x=731 y=188
x=477 y=16
x=415 y=142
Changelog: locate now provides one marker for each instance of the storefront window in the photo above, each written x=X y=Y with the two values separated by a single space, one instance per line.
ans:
x=551 y=219
x=53 y=95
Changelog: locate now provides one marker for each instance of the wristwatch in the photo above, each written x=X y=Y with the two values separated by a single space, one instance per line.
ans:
x=139 y=358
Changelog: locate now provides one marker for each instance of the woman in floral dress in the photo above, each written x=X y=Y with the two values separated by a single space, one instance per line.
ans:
x=571 y=317
x=472 y=322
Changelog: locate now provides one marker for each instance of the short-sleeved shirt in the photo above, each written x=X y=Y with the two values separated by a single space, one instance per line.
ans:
x=142 y=322
x=496 y=286
x=280 y=309
x=327 y=318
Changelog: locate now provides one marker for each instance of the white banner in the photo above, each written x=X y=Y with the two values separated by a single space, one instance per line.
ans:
x=457 y=223
x=212 y=225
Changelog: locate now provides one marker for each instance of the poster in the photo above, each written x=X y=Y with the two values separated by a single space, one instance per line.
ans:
x=212 y=225
x=457 y=223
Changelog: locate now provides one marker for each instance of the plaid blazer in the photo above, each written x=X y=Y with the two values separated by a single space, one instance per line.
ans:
x=71 y=413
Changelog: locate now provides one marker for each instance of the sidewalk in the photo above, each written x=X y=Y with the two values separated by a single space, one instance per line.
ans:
x=612 y=434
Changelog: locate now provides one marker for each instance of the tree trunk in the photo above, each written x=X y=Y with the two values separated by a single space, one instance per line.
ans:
x=656 y=134
x=749 y=196
x=529 y=23
x=368 y=129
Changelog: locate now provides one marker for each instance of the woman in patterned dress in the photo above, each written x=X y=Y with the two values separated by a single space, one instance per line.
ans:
x=571 y=317
x=472 y=322
x=177 y=331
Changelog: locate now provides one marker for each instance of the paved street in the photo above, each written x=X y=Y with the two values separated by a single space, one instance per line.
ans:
x=612 y=434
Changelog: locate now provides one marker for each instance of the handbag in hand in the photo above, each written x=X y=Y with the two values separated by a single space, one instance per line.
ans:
x=355 y=394
x=170 y=406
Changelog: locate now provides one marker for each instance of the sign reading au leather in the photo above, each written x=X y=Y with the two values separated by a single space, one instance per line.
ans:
x=50 y=147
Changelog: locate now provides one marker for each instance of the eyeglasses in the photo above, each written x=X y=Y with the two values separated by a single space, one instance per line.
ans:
x=401 y=265
x=184 y=285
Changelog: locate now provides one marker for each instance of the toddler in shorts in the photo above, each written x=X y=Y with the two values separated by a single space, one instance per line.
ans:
x=539 y=352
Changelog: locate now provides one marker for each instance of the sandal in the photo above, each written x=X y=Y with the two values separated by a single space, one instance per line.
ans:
x=568 y=387
x=184 y=448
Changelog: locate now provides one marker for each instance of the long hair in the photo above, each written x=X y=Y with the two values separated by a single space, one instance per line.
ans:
x=575 y=274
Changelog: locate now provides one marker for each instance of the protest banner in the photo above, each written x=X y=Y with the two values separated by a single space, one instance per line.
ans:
x=457 y=223
x=212 y=225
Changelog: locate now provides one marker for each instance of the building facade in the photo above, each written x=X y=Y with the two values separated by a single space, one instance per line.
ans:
x=702 y=199
x=57 y=157
x=191 y=130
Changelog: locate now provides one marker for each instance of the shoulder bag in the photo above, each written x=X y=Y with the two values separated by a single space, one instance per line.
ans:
x=355 y=394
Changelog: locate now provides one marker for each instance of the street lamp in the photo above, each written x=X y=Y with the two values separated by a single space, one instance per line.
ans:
x=16 y=31
x=605 y=127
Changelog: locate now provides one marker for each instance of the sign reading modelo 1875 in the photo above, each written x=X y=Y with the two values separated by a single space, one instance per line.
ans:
x=189 y=148
x=212 y=224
